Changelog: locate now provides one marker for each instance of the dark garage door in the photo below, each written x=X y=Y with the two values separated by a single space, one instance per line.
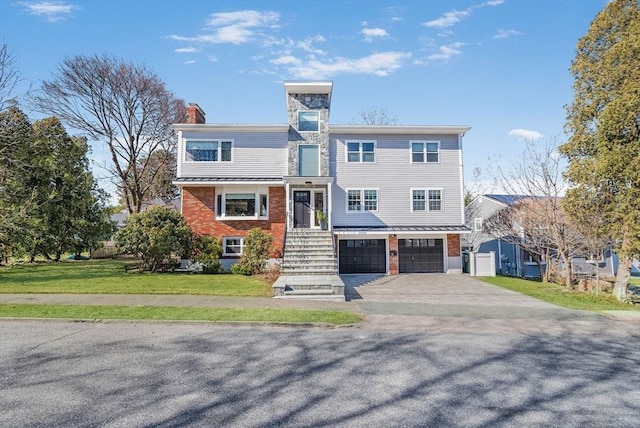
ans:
x=363 y=256
x=421 y=255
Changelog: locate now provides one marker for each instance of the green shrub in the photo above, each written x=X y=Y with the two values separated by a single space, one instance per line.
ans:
x=257 y=247
x=154 y=235
x=241 y=269
x=207 y=251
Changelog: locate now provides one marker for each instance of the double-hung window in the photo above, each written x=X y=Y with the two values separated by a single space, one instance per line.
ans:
x=362 y=200
x=308 y=121
x=425 y=151
x=232 y=246
x=208 y=151
x=242 y=205
x=361 y=151
x=426 y=200
x=477 y=224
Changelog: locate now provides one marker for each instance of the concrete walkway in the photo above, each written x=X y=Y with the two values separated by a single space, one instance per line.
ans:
x=405 y=302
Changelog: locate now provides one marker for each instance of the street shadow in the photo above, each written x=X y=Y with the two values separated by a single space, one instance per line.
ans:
x=257 y=377
x=353 y=281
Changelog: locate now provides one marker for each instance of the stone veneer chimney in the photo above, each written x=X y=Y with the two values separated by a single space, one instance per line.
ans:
x=195 y=113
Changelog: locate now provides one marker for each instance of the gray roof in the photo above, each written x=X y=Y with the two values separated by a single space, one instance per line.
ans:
x=508 y=199
x=230 y=179
x=397 y=229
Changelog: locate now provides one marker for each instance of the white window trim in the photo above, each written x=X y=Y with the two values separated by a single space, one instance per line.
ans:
x=224 y=246
x=212 y=140
x=361 y=190
x=424 y=151
x=308 y=111
x=426 y=200
x=477 y=224
x=360 y=142
x=256 y=191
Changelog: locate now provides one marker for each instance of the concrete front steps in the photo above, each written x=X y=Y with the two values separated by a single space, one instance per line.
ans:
x=309 y=269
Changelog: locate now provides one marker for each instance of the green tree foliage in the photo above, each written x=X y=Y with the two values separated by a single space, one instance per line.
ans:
x=257 y=247
x=16 y=198
x=604 y=123
x=154 y=235
x=207 y=251
x=50 y=203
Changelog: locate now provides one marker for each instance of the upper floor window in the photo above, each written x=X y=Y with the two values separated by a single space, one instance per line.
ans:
x=208 y=151
x=425 y=151
x=477 y=225
x=362 y=200
x=361 y=151
x=308 y=121
x=426 y=199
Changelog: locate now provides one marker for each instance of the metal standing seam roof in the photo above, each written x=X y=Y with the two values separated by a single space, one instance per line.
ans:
x=401 y=228
x=230 y=179
x=508 y=199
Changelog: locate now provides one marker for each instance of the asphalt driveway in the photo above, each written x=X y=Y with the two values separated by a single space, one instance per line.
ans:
x=459 y=303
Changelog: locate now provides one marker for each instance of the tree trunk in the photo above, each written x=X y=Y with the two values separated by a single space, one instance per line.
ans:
x=622 y=278
x=58 y=255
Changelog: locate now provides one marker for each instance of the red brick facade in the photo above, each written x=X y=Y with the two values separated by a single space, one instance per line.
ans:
x=453 y=245
x=393 y=255
x=198 y=209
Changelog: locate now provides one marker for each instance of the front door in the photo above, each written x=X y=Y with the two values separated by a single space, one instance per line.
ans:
x=301 y=208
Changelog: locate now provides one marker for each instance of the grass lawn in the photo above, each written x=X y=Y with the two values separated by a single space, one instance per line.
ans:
x=177 y=313
x=558 y=295
x=111 y=277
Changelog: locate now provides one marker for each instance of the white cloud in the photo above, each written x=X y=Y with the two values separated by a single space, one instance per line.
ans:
x=284 y=60
x=234 y=27
x=191 y=61
x=52 y=11
x=212 y=58
x=372 y=33
x=190 y=49
x=503 y=34
x=379 y=64
x=453 y=17
x=448 y=19
x=445 y=53
x=307 y=44
x=525 y=134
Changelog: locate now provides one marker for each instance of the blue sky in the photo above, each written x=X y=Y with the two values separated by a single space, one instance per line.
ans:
x=499 y=66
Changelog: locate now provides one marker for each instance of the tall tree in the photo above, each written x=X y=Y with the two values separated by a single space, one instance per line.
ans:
x=375 y=115
x=604 y=126
x=9 y=78
x=68 y=198
x=126 y=106
x=16 y=155
x=537 y=178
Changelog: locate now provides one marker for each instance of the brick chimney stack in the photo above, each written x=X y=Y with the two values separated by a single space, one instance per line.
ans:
x=195 y=113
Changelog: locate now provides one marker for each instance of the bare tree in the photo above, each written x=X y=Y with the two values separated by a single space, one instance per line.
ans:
x=126 y=106
x=542 y=224
x=375 y=115
x=9 y=78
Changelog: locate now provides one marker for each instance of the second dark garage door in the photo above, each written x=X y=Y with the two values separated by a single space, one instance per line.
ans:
x=363 y=256
x=420 y=255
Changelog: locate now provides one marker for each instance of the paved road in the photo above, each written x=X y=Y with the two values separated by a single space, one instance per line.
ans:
x=164 y=375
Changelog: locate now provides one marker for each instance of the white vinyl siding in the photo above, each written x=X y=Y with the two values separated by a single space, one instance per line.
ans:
x=394 y=177
x=255 y=154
